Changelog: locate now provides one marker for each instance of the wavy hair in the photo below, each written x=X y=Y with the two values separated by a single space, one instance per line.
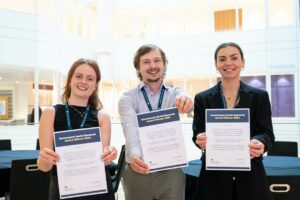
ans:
x=142 y=51
x=94 y=100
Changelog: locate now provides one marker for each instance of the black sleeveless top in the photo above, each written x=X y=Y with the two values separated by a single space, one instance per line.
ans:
x=60 y=124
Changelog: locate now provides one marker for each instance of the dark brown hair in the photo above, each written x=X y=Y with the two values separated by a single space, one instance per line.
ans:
x=146 y=49
x=226 y=44
x=94 y=100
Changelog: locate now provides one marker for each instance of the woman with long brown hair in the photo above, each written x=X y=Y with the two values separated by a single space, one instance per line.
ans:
x=80 y=99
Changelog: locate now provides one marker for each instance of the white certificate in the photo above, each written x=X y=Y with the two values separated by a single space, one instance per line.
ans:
x=162 y=140
x=80 y=170
x=228 y=137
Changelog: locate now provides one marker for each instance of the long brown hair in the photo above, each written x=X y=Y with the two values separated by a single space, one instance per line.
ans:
x=94 y=100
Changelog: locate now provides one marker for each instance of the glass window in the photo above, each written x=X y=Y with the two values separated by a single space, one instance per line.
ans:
x=197 y=17
x=197 y=84
x=50 y=86
x=170 y=21
x=120 y=86
x=225 y=15
x=122 y=4
x=194 y=85
x=46 y=8
x=106 y=95
x=175 y=82
x=46 y=87
x=91 y=24
x=255 y=81
x=16 y=87
x=226 y=19
x=123 y=26
x=283 y=95
x=253 y=14
x=145 y=3
x=81 y=20
x=147 y=26
x=281 y=13
x=19 y=5
x=68 y=7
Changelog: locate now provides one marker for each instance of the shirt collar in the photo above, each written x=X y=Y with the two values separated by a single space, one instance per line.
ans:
x=143 y=85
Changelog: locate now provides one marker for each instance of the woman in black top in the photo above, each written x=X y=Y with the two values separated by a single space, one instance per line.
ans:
x=230 y=92
x=80 y=96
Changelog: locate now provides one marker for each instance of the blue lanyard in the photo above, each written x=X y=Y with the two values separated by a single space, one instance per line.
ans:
x=86 y=112
x=237 y=99
x=161 y=96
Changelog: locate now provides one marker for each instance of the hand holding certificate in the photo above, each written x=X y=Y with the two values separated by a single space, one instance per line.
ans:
x=228 y=137
x=162 y=140
x=79 y=153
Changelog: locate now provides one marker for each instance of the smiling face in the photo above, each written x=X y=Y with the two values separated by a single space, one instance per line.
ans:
x=229 y=62
x=83 y=82
x=151 y=67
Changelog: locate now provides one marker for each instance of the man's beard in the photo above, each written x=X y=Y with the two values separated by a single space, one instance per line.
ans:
x=153 y=80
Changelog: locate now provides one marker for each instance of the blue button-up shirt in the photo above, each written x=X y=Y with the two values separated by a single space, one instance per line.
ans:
x=132 y=103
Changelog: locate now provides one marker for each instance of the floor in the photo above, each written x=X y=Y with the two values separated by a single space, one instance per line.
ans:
x=120 y=195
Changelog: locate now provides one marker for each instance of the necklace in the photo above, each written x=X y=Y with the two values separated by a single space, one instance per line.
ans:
x=80 y=113
x=83 y=120
x=224 y=99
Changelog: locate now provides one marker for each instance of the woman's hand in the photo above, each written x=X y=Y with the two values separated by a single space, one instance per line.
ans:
x=257 y=148
x=47 y=159
x=201 y=140
x=110 y=153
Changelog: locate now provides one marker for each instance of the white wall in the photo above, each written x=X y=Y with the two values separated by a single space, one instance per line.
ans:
x=18 y=39
x=192 y=56
x=28 y=40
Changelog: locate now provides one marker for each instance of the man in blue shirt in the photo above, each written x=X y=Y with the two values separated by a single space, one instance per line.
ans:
x=152 y=93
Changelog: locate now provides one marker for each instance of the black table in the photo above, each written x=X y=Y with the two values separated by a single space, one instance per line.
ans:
x=279 y=169
x=5 y=164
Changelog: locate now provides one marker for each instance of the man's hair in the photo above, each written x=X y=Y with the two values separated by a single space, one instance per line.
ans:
x=144 y=50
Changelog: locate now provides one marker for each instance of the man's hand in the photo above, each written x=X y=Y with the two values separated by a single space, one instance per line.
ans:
x=138 y=165
x=184 y=104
